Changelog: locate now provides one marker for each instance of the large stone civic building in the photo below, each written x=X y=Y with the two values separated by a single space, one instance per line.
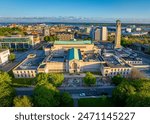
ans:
x=81 y=56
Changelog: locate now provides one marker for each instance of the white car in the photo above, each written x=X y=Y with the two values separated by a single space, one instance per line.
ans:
x=82 y=94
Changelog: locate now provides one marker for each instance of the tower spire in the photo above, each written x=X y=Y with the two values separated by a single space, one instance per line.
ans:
x=118 y=35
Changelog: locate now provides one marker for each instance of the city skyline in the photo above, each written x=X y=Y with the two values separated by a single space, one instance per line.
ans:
x=76 y=8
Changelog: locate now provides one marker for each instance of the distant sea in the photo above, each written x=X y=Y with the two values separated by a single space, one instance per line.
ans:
x=73 y=24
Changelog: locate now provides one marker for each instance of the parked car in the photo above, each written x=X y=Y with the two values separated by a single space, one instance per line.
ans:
x=82 y=94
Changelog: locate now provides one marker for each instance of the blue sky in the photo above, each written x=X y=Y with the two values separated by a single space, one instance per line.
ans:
x=78 y=8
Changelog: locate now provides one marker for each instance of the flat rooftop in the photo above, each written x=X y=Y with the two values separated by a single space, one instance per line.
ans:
x=56 y=59
x=30 y=64
x=72 y=42
x=91 y=57
x=113 y=61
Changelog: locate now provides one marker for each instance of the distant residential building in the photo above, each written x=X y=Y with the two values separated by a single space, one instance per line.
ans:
x=65 y=36
x=128 y=30
x=97 y=35
x=92 y=33
x=104 y=34
x=138 y=29
x=16 y=42
x=4 y=54
x=88 y=29
x=46 y=31
x=138 y=33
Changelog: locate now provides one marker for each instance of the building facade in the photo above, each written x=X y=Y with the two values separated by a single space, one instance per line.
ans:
x=65 y=36
x=17 y=42
x=4 y=54
x=46 y=31
x=114 y=66
x=104 y=34
x=97 y=36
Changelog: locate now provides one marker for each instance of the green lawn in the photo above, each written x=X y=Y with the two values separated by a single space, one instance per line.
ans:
x=95 y=102
x=22 y=82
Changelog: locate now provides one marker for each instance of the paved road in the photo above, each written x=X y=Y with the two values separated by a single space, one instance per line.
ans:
x=24 y=91
x=94 y=91
x=75 y=102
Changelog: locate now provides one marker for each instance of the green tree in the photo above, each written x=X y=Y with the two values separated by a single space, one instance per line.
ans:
x=46 y=38
x=141 y=99
x=23 y=101
x=125 y=42
x=12 y=57
x=66 y=100
x=4 y=78
x=41 y=78
x=117 y=79
x=46 y=96
x=6 y=91
x=89 y=79
x=141 y=84
x=52 y=78
x=51 y=38
x=56 y=79
x=122 y=92
x=132 y=92
x=7 y=94
x=5 y=31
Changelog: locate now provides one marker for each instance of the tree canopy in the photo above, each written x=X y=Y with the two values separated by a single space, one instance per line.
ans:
x=46 y=96
x=51 y=38
x=89 y=79
x=132 y=93
x=6 y=91
x=56 y=79
x=66 y=100
x=117 y=79
x=140 y=99
x=5 y=31
x=122 y=92
x=22 y=101
x=4 y=78
x=12 y=57
x=52 y=78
